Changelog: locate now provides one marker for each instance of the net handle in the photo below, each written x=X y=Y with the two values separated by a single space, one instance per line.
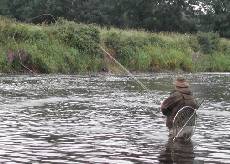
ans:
x=194 y=112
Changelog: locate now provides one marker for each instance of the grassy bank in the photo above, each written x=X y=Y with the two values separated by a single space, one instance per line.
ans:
x=143 y=51
x=65 y=47
x=68 y=47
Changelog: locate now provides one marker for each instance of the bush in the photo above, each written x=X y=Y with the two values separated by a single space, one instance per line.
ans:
x=208 y=42
x=85 y=38
x=65 y=47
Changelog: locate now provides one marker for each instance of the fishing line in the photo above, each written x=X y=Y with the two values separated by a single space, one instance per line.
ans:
x=128 y=72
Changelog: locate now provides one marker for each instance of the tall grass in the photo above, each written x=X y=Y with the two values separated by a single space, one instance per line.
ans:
x=69 y=47
x=64 y=47
x=144 y=51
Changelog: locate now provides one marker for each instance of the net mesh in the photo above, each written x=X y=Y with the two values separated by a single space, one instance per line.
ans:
x=184 y=123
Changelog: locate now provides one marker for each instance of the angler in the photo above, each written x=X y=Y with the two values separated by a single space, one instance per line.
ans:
x=180 y=97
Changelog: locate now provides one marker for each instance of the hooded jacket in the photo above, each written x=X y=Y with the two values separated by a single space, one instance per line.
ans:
x=179 y=98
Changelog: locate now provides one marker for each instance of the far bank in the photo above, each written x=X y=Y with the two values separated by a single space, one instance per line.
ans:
x=70 y=47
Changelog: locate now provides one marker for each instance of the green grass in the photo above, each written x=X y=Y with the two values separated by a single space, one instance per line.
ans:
x=69 y=47
x=65 y=47
x=144 y=51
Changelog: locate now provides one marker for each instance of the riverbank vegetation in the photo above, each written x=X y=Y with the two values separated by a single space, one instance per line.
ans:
x=64 y=47
x=70 y=47
x=140 y=50
x=180 y=16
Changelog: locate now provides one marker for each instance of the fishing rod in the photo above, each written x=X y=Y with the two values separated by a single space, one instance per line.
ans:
x=202 y=101
x=127 y=71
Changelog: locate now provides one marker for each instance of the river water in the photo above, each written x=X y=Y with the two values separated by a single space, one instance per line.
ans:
x=108 y=119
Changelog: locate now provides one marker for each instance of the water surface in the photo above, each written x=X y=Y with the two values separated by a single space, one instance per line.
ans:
x=108 y=119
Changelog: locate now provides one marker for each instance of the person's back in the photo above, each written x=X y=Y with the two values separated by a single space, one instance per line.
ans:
x=180 y=97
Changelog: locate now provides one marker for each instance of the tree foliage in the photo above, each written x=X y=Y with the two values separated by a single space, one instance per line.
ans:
x=153 y=15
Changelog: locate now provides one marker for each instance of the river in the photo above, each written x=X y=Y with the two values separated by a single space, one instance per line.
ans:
x=108 y=119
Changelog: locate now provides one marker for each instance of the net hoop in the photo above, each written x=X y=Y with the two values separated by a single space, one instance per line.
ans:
x=184 y=123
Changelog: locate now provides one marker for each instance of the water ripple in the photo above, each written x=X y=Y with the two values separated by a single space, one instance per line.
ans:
x=107 y=119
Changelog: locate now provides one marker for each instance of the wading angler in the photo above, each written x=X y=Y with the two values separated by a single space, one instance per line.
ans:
x=180 y=108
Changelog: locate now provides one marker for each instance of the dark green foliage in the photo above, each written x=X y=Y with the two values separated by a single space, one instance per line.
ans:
x=208 y=42
x=4 y=7
x=215 y=17
x=153 y=15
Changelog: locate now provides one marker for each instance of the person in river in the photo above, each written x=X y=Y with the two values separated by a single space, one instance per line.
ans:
x=177 y=152
x=180 y=97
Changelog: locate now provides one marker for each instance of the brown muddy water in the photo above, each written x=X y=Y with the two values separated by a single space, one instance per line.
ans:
x=108 y=119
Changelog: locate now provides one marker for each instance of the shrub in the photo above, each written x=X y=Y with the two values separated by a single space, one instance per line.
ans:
x=85 y=38
x=208 y=42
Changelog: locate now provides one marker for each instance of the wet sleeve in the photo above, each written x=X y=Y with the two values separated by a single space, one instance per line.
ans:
x=167 y=105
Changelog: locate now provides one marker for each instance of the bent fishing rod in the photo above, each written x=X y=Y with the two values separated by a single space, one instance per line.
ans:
x=128 y=72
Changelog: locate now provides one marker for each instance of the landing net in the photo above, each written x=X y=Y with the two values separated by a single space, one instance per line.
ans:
x=184 y=123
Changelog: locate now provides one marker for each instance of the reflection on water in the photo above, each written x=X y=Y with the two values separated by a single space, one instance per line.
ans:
x=178 y=152
x=106 y=119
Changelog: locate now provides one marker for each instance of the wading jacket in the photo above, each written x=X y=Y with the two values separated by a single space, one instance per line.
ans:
x=177 y=99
